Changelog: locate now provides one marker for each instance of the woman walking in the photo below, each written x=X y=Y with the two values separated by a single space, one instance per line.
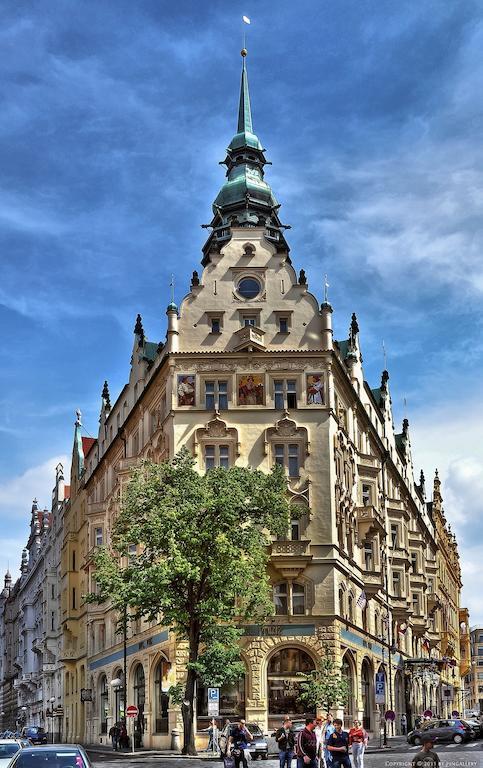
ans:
x=358 y=739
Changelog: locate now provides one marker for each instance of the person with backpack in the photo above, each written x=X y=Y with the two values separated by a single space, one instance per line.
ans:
x=285 y=739
x=239 y=738
x=306 y=745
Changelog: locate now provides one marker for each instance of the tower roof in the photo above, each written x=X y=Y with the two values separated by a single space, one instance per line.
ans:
x=245 y=199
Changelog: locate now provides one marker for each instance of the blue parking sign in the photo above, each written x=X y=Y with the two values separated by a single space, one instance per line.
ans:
x=213 y=702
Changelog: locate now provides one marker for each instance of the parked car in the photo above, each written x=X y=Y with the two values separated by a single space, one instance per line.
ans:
x=55 y=756
x=441 y=730
x=257 y=748
x=35 y=733
x=8 y=748
x=476 y=727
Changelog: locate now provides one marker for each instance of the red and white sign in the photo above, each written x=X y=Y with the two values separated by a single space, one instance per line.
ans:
x=132 y=711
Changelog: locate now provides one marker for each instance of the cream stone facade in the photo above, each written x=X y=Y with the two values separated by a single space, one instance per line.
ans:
x=249 y=375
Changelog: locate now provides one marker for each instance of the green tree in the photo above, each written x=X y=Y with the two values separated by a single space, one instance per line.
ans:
x=324 y=688
x=200 y=568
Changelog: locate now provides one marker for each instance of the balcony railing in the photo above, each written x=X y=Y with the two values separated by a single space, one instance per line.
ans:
x=290 y=557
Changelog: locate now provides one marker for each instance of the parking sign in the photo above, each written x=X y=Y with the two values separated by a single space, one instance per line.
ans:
x=213 y=702
x=380 y=688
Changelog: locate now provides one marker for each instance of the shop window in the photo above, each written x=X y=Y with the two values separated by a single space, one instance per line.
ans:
x=217 y=456
x=161 y=698
x=283 y=683
x=285 y=394
x=216 y=395
x=232 y=703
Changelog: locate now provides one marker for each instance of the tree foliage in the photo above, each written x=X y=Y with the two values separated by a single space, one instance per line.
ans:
x=200 y=567
x=324 y=688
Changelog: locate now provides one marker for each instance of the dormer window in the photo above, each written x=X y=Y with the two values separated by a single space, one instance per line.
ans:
x=215 y=325
x=283 y=325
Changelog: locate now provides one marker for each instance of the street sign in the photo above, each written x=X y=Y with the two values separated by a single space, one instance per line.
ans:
x=380 y=688
x=132 y=711
x=428 y=713
x=213 y=702
x=455 y=713
x=390 y=715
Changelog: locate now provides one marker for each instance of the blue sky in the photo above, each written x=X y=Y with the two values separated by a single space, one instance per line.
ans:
x=114 y=117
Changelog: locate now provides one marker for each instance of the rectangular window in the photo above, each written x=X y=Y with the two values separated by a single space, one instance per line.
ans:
x=217 y=456
x=280 y=598
x=74 y=598
x=414 y=562
x=279 y=455
x=132 y=550
x=415 y=603
x=215 y=325
x=283 y=325
x=73 y=561
x=298 y=599
x=52 y=591
x=295 y=530
x=216 y=395
x=52 y=620
x=368 y=556
x=285 y=394
x=251 y=320
x=396 y=584
x=394 y=535
x=366 y=494
x=98 y=538
x=293 y=460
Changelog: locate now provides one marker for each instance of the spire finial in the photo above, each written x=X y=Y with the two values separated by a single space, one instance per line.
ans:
x=244 y=109
x=78 y=420
x=106 y=396
x=171 y=285
x=326 y=290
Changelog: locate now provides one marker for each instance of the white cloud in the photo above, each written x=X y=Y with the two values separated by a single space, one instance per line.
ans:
x=18 y=492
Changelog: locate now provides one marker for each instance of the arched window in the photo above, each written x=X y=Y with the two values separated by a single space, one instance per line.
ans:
x=289 y=599
x=139 y=696
x=103 y=703
x=347 y=672
x=350 y=604
x=342 y=610
x=283 y=683
x=161 y=698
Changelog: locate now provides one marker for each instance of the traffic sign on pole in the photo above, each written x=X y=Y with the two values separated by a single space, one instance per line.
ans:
x=380 y=697
x=132 y=711
x=213 y=702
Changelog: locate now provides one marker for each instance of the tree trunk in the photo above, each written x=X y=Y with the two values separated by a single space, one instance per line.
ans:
x=187 y=708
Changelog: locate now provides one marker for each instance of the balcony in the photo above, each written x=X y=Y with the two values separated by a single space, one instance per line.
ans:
x=69 y=653
x=401 y=609
x=248 y=336
x=420 y=625
x=48 y=669
x=289 y=557
x=369 y=522
x=373 y=582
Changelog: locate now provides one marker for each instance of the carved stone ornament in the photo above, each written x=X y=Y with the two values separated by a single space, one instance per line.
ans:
x=287 y=429
x=217 y=429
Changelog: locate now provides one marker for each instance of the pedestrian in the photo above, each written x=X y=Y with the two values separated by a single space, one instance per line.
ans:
x=212 y=735
x=327 y=731
x=427 y=758
x=123 y=737
x=306 y=745
x=239 y=738
x=404 y=724
x=358 y=739
x=285 y=739
x=319 y=732
x=338 y=746
x=114 y=736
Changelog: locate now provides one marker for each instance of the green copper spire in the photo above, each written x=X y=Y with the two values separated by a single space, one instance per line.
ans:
x=244 y=110
x=245 y=199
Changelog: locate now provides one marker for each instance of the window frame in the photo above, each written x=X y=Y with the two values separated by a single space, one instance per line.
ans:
x=286 y=591
x=285 y=403
x=215 y=447
x=285 y=447
x=216 y=393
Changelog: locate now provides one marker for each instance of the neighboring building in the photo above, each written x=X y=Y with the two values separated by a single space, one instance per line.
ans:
x=249 y=374
x=29 y=621
x=74 y=585
x=474 y=678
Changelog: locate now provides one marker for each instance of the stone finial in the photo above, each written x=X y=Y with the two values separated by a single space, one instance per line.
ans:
x=106 y=398
x=354 y=328
x=78 y=420
x=302 y=277
x=195 y=278
x=139 y=330
x=384 y=379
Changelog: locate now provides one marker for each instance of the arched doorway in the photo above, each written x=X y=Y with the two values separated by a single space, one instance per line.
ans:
x=348 y=674
x=161 y=698
x=283 y=683
x=139 y=689
x=366 y=693
x=103 y=703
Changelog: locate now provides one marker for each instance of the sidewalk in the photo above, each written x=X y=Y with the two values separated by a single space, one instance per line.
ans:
x=105 y=749
x=393 y=742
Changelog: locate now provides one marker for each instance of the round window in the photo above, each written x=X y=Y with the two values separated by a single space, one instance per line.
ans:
x=248 y=287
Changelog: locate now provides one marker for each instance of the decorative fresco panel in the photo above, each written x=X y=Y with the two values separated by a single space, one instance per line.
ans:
x=315 y=389
x=251 y=389
x=186 y=390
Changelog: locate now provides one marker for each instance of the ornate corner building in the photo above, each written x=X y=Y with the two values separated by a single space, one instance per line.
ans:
x=250 y=375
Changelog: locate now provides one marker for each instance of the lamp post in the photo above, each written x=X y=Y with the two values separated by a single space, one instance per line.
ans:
x=52 y=702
